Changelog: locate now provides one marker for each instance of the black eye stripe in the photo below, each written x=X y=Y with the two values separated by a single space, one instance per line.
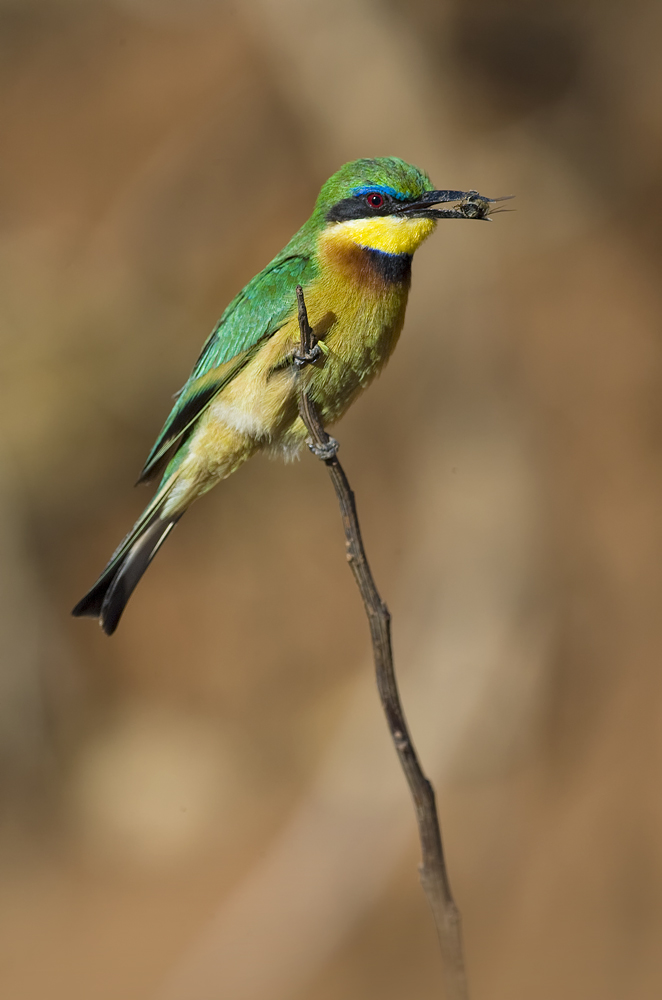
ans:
x=359 y=207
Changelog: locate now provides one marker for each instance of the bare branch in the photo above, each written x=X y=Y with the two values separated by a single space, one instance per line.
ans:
x=434 y=877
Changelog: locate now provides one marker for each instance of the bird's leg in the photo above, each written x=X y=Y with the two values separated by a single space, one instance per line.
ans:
x=319 y=442
x=310 y=350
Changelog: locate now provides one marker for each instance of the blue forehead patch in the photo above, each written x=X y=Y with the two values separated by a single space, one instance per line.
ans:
x=382 y=189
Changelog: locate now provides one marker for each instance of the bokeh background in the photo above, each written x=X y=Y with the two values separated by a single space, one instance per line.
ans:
x=207 y=805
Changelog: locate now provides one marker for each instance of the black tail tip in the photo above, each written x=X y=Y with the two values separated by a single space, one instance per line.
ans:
x=90 y=605
x=108 y=627
x=105 y=601
x=88 y=609
x=109 y=596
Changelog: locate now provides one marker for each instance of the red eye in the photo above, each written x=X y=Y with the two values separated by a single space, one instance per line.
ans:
x=375 y=200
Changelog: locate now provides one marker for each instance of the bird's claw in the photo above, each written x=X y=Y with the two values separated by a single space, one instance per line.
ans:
x=309 y=358
x=324 y=451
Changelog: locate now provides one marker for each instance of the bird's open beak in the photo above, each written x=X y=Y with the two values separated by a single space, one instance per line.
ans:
x=469 y=205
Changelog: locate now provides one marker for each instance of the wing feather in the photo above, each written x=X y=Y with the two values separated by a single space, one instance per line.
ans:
x=260 y=308
x=255 y=314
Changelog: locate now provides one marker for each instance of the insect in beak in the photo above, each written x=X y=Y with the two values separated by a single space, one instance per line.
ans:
x=469 y=205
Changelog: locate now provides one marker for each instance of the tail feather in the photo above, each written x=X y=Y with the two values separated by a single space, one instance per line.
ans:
x=90 y=605
x=108 y=597
x=130 y=571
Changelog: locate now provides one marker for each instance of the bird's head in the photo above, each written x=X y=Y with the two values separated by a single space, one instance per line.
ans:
x=388 y=205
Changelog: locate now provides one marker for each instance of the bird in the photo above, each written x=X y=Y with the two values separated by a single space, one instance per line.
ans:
x=352 y=259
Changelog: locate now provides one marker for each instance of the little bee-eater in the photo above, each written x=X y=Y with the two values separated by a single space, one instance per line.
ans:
x=352 y=259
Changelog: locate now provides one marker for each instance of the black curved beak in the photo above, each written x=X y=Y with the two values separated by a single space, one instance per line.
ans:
x=469 y=205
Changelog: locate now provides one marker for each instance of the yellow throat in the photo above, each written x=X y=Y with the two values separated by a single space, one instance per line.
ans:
x=389 y=233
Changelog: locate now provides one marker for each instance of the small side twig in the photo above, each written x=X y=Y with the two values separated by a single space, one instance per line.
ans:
x=433 y=874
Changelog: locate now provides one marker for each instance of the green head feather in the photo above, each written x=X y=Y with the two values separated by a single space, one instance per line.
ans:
x=400 y=179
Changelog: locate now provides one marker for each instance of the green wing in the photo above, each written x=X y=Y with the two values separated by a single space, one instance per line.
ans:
x=257 y=312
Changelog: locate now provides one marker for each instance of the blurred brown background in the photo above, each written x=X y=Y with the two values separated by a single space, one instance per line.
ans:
x=207 y=806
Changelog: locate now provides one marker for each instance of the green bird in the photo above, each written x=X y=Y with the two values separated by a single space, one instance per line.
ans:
x=352 y=259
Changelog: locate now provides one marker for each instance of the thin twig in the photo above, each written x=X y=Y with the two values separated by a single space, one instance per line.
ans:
x=434 y=877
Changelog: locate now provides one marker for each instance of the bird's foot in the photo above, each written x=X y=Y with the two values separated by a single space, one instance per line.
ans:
x=309 y=358
x=324 y=451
